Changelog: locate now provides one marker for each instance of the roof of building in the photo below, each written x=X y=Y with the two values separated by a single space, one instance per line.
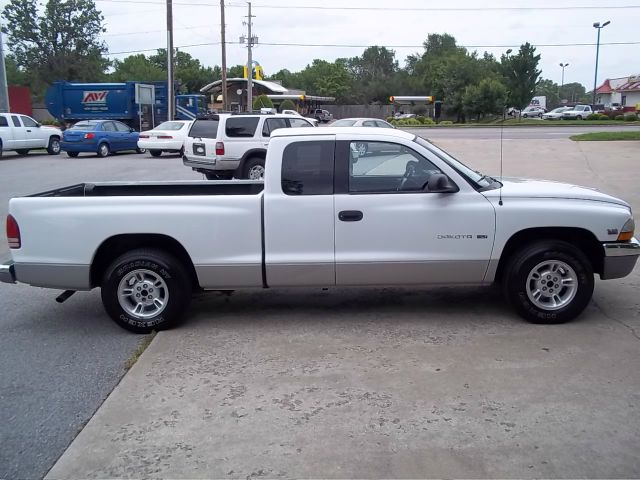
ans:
x=605 y=87
x=633 y=85
x=217 y=85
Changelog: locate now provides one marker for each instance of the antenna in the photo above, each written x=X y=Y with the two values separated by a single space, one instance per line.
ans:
x=501 y=136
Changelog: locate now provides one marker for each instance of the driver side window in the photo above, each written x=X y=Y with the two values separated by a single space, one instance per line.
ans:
x=384 y=167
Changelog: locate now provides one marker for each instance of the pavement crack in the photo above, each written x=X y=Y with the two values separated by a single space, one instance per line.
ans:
x=621 y=322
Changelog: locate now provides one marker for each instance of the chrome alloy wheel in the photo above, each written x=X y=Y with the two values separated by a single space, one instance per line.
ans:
x=551 y=285
x=143 y=293
x=256 y=172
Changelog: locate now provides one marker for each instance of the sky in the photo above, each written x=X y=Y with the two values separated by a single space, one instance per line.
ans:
x=487 y=25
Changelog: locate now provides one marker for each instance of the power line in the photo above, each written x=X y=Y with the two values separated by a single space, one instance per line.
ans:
x=337 y=45
x=389 y=9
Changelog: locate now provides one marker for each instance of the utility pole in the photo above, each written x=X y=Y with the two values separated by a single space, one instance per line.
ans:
x=224 y=58
x=4 y=94
x=563 y=66
x=595 y=79
x=250 y=44
x=170 y=92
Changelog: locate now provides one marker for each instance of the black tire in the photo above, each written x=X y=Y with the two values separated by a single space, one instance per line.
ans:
x=23 y=151
x=181 y=152
x=163 y=265
x=103 y=150
x=155 y=153
x=516 y=282
x=54 y=146
x=0 y=148
x=524 y=115
x=251 y=164
x=73 y=154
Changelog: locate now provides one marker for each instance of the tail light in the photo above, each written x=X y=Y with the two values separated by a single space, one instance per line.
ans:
x=165 y=137
x=89 y=136
x=13 y=232
x=219 y=148
x=143 y=136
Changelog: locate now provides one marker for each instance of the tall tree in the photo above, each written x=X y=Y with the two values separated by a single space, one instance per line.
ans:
x=136 y=67
x=15 y=74
x=62 y=43
x=189 y=72
x=549 y=89
x=521 y=75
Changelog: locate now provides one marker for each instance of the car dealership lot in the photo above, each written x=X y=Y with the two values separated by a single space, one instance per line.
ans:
x=372 y=382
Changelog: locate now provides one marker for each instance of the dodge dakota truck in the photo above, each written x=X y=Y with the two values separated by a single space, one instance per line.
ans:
x=327 y=215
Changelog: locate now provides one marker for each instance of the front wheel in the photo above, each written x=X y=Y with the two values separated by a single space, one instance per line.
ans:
x=73 y=154
x=54 y=146
x=145 y=290
x=549 y=282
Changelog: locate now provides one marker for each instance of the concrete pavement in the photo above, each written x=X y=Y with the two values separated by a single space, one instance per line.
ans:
x=388 y=382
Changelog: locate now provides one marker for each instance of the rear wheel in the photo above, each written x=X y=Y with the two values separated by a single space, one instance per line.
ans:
x=549 y=282
x=145 y=290
x=254 y=169
x=73 y=154
x=22 y=151
x=155 y=153
x=103 y=150
x=54 y=146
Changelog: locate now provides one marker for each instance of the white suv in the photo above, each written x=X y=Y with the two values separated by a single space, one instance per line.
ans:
x=228 y=146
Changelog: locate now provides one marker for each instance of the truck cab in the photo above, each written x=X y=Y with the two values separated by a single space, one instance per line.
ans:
x=189 y=107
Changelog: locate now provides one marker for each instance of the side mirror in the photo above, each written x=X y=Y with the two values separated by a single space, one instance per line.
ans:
x=440 y=183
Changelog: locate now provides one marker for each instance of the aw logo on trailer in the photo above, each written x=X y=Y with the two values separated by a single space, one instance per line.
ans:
x=94 y=97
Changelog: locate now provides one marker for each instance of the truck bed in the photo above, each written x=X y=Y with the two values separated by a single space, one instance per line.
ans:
x=138 y=189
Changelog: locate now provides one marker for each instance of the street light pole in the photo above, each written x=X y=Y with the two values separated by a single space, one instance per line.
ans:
x=563 y=65
x=595 y=78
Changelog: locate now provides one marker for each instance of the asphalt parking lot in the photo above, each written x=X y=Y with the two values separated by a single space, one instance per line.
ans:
x=350 y=383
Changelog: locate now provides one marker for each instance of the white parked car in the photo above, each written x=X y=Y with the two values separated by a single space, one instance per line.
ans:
x=579 y=112
x=166 y=137
x=556 y=113
x=408 y=215
x=293 y=112
x=530 y=112
x=361 y=122
x=22 y=133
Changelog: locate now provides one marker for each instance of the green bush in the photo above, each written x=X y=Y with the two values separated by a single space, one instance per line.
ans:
x=631 y=118
x=597 y=116
x=619 y=118
x=54 y=122
x=425 y=120
x=446 y=122
x=390 y=119
x=287 y=104
x=262 y=101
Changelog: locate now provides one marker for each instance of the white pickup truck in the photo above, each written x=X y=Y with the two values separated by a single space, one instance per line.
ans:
x=22 y=133
x=404 y=213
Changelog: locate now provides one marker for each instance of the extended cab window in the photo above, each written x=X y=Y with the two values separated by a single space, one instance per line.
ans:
x=204 y=129
x=3 y=122
x=241 y=126
x=382 y=167
x=307 y=168
x=16 y=121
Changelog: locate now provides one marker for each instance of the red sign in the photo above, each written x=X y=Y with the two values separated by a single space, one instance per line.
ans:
x=95 y=97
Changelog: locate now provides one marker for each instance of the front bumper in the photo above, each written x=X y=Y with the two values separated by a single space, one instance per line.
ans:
x=619 y=259
x=7 y=272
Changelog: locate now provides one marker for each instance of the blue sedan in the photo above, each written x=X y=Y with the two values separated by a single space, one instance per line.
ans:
x=99 y=136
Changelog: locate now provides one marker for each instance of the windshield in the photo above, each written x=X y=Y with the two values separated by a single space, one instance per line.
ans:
x=479 y=180
x=558 y=110
x=344 y=123
x=170 y=126
x=84 y=126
